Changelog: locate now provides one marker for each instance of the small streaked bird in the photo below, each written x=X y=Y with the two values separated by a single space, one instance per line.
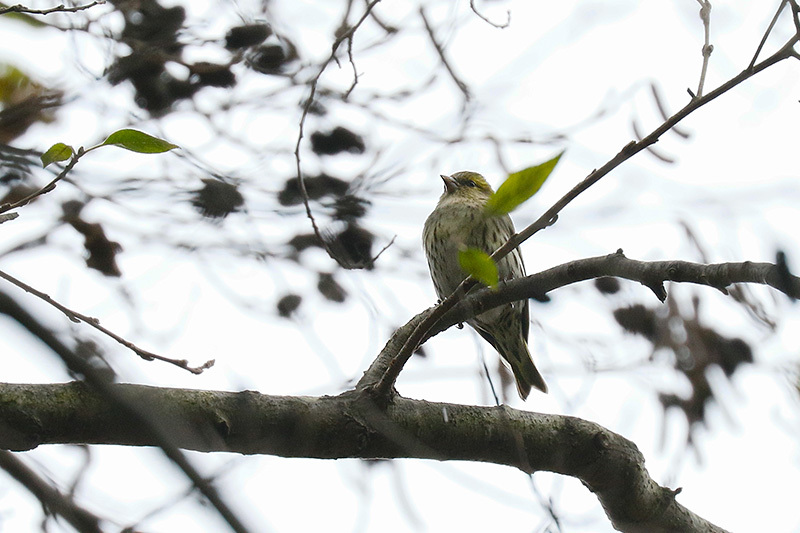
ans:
x=458 y=222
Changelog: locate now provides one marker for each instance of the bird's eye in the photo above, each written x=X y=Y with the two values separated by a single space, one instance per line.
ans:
x=470 y=183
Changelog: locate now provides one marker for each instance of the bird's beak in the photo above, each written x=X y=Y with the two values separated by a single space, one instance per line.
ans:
x=449 y=183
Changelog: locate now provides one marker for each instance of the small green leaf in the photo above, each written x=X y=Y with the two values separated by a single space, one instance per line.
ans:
x=57 y=152
x=138 y=141
x=479 y=265
x=519 y=187
x=12 y=82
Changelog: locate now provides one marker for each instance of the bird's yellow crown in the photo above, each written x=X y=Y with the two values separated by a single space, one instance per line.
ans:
x=466 y=182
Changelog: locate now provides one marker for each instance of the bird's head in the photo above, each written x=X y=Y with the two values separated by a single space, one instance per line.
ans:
x=466 y=184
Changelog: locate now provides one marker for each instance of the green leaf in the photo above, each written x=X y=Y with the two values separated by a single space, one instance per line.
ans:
x=520 y=186
x=138 y=141
x=57 y=152
x=479 y=265
x=12 y=81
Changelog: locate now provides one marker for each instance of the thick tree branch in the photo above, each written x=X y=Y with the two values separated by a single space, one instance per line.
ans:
x=352 y=426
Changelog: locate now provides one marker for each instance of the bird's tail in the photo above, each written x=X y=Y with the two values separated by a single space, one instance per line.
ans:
x=525 y=372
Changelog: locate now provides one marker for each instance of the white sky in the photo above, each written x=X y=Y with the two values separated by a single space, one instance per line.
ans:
x=734 y=182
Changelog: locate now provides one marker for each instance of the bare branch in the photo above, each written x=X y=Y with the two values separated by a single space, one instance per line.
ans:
x=95 y=323
x=496 y=25
x=55 y=502
x=662 y=109
x=440 y=50
x=352 y=426
x=353 y=65
x=61 y=8
x=705 y=16
x=766 y=33
x=651 y=274
x=342 y=36
x=656 y=153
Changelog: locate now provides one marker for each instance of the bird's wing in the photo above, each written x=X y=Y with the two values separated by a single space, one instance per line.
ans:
x=526 y=321
x=488 y=337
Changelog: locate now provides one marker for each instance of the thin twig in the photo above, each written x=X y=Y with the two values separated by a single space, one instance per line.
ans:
x=440 y=50
x=662 y=109
x=19 y=8
x=47 y=188
x=352 y=64
x=496 y=25
x=384 y=26
x=633 y=148
x=79 y=317
x=766 y=33
x=656 y=153
x=705 y=16
x=391 y=242
x=342 y=36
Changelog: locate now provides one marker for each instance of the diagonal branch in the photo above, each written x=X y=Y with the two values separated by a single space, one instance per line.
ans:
x=440 y=50
x=342 y=36
x=53 y=499
x=651 y=274
x=95 y=323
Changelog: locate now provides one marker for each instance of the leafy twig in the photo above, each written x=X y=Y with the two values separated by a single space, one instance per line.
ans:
x=44 y=190
x=133 y=140
x=633 y=148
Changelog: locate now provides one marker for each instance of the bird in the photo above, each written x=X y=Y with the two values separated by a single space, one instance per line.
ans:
x=460 y=221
